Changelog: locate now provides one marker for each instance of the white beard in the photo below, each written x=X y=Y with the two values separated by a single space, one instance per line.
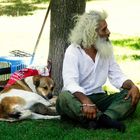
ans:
x=104 y=47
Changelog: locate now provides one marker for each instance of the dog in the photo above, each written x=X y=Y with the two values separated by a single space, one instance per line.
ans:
x=29 y=98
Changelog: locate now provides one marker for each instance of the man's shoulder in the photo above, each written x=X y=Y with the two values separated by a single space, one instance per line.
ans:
x=73 y=47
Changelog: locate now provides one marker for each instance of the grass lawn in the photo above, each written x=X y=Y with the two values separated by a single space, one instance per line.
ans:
x=58 y=130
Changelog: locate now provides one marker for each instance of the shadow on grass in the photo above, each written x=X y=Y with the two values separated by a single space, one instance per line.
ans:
x=18 y=9
x=128 y=57
x=133 y=43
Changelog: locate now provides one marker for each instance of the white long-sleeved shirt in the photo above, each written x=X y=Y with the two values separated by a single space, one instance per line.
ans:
x=82 y=74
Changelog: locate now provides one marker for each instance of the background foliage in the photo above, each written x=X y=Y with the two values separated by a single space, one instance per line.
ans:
x=19 y=7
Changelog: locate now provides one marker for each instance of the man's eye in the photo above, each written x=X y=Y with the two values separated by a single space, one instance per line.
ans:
x=104 y=30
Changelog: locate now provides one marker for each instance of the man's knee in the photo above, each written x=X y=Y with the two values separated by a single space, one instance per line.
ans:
x=64 y=96
x=62 y=100
x=120 y=110
x=68 y=104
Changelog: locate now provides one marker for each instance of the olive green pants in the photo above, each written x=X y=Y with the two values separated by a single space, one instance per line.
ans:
x=114 y=105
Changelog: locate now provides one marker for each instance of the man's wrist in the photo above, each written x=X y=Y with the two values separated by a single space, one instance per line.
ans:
x=89 y=105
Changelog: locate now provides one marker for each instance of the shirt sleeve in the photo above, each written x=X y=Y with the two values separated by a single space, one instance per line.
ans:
x=116 y=76
x=70 y=72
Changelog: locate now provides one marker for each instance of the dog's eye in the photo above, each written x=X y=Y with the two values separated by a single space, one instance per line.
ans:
x=52 y=88
x=46 y=88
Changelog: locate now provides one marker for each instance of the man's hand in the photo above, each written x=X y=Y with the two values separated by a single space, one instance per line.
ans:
x=134 y=94
x=89 y=111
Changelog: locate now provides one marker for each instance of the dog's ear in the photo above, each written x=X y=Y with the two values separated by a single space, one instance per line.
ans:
x=36 y=80
x=51 y=82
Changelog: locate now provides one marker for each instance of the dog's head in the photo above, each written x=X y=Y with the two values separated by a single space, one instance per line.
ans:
x=44 y=86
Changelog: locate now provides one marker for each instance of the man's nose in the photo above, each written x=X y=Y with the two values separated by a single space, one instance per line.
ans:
x=108 y=32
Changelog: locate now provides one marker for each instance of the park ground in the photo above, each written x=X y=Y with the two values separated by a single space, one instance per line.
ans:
x=22 y=32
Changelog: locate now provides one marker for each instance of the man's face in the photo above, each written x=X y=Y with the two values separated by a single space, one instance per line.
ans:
x=102 y=44
x=102 y=30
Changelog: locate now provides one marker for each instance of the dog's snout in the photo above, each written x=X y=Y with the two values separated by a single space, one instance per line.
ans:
x=49 y=96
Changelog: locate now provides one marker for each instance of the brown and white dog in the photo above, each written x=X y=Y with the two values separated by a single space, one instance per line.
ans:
x=30 y=98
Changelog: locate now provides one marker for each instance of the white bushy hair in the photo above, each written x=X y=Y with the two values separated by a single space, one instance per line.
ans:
x=84 y=33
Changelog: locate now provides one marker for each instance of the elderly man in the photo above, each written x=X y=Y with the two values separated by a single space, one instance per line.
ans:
x=87 y=64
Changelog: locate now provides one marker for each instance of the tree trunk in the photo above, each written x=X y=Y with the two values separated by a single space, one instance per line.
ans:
x=62 y=12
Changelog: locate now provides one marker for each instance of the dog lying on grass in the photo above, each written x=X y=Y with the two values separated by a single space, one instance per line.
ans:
x=29 y=98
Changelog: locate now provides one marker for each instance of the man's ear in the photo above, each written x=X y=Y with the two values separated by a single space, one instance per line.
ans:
x=36 y=80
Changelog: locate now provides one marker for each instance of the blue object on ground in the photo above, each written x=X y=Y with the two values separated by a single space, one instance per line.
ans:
x=16 y=63
x=10 y=64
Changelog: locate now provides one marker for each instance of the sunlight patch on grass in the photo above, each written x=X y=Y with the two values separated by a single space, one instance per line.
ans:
x=131 y=69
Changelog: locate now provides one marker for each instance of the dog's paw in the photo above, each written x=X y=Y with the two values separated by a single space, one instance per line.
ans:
x=53 y=103
x=15 y=115
x=25 y=114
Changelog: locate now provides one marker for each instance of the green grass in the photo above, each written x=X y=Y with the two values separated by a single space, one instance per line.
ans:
x=57 y=130
x=128 y=57
x=133 y=43
x=127 y=49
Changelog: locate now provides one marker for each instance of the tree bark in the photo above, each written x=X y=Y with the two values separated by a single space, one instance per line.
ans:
x=62 y=12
